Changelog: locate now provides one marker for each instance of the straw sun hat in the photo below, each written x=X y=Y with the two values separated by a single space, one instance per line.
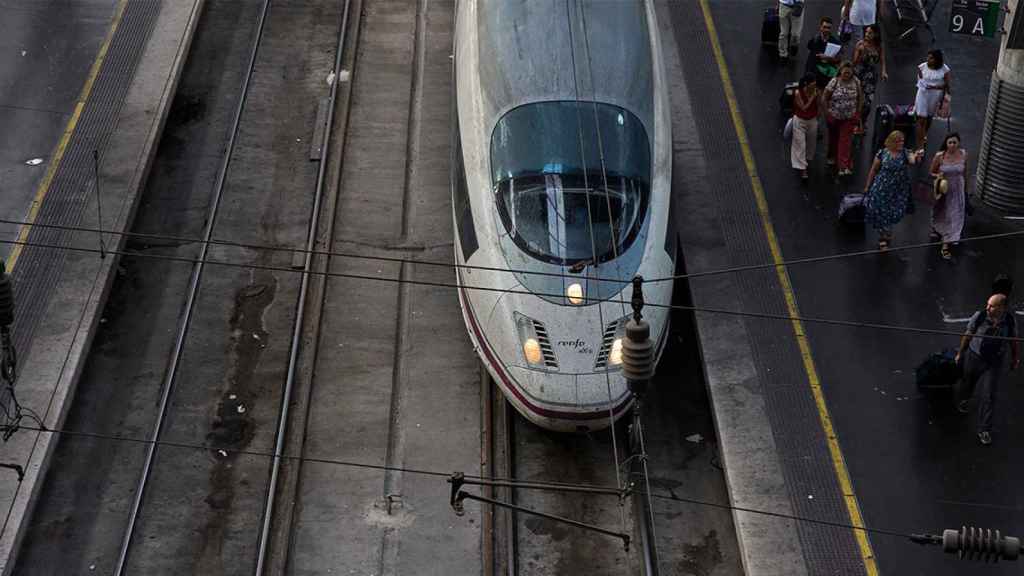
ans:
x=940 y=187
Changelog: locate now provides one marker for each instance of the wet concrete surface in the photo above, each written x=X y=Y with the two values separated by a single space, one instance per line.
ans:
x=46 y=52
x=87 y=494
x=679 y=432
x=915 y=466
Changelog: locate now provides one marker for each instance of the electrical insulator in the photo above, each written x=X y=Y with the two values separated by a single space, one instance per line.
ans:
x=6 y=299
x=980 y=544
x=637 y=355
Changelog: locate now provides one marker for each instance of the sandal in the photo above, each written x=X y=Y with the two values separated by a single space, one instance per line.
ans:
x=945 y=252
x=883 y=245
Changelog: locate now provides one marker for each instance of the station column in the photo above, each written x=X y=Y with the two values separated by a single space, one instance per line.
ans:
x=1001 y=161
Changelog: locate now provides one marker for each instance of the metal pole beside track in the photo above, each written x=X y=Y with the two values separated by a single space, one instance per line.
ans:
x=282 y=423
x=197 y=273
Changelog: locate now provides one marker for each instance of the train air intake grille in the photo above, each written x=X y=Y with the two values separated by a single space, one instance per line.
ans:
x=545 y=344
x=606 y=342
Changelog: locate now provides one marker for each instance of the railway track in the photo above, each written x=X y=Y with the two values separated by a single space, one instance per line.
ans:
x=283 y=372
x=521 y=543
x=262 y=366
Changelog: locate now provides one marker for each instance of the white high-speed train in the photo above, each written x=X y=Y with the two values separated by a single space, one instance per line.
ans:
x=561 y=172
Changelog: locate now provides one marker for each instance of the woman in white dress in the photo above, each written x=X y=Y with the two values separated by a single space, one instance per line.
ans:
x=933 y=83
x=861 y=13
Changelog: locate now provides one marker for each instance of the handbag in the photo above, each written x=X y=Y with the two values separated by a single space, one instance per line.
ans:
x=845 y=30
x=787 y=132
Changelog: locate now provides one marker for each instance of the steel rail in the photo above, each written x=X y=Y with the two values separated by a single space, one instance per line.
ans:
x=186 y=320
x=642 y=506
x=293 y=358
x=511 y=523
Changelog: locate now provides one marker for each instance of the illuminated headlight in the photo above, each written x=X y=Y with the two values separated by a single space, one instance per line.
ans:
x=575 y=294
x=615 y=356
x=533 y=352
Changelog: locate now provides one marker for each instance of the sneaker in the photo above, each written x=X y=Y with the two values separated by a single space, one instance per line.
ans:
x=985 y=438
x=961 y=406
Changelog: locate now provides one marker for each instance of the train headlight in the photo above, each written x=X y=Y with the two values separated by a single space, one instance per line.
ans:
x=532 y=352
x=575 y=294
x=533 y=338
x=615 y=356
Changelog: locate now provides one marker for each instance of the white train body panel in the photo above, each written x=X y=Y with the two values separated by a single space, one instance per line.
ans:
x=519 y=193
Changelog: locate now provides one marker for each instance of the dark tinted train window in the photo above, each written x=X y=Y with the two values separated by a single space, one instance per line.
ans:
x=571 y=179
x=460 y=196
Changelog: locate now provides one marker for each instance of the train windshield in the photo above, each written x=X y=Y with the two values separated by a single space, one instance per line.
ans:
x=571 y=179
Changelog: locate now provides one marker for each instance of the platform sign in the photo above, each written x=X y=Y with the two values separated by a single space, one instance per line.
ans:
x=974 y=17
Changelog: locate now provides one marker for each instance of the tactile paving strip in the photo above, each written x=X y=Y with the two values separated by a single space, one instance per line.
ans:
x=800 y=440
x=72 y=190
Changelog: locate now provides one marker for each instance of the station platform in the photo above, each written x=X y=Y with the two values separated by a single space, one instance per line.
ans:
x=86 y=90
x=868 y=448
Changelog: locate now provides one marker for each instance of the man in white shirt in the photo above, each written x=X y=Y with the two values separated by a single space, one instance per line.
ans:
x=791 y=22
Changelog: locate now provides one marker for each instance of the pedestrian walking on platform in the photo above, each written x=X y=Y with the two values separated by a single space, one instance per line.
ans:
x=805 y=125
x=791 y=24
x=818 y=62
x=887 y=190
x=982 y=359
x=868 y=57
x=948 y=168
x=933 y=85
x=860 y=13
x=844 y=99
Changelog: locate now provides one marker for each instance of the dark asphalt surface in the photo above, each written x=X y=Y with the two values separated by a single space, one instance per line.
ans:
x=46 y=50
x=916 y=467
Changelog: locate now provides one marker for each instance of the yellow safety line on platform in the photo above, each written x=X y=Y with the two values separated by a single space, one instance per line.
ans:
x=838 y=463
x=69 y=130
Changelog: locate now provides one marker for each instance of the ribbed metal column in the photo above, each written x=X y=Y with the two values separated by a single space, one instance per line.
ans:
x=1000 y=178
x=1000 y=182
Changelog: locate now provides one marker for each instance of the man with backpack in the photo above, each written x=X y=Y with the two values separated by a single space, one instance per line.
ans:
x=981 y=358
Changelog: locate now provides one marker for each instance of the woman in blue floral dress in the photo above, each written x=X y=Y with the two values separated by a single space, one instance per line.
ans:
x=888 y=188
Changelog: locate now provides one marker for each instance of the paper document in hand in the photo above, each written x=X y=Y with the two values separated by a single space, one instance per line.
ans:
x=832 y=49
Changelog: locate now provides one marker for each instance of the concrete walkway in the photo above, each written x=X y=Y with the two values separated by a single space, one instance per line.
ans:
x=142 y=59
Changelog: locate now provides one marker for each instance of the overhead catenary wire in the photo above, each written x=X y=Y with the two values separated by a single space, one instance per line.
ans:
x=435 y=284
x=595 y=262
x=398 y=260
x=650 y=560
x=539 y=484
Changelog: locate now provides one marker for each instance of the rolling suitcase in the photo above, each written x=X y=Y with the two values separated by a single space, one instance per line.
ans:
x=851 y=209
x=889 y=117
x=938 y=372
x=770 y=31
x=770 y=27
x=786 y=99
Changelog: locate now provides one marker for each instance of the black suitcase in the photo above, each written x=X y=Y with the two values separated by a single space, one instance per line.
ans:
x=770 y=27
x=786 y=99
x=938 y=372
x=770 y=31
x=889 y=117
